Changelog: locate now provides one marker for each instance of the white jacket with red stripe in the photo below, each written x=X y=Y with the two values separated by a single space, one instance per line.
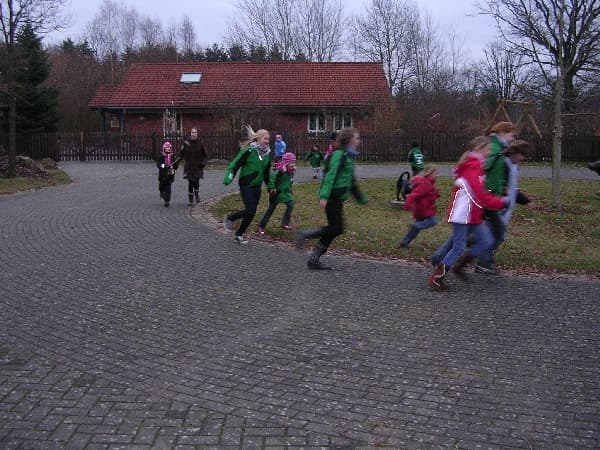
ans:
x=469 y=197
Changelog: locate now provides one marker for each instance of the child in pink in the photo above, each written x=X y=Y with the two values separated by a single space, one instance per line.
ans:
x=467 y=201
x=421 y=201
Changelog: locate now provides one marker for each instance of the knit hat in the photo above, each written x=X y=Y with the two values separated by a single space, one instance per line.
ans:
x=166 y=147
x=286 y=159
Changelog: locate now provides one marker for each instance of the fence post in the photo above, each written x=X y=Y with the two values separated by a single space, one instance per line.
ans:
x=154 y=147
x=81 y=147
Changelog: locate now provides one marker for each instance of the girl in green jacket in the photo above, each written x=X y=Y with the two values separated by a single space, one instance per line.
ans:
x=280 y=191
x=253 y=162
x=337 y=185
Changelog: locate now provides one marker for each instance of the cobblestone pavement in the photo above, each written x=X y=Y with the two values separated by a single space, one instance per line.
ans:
x=124 y=324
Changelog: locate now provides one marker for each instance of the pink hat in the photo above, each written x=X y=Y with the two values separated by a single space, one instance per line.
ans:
x=166 y=146
x=284 y=161
x=288 y=157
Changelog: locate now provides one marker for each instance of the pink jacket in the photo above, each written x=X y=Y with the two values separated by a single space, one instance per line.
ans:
x=469 y=197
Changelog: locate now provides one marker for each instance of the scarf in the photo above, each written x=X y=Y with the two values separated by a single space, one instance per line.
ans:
x=168 y=158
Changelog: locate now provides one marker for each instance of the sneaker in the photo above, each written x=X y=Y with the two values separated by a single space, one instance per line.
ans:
x=166 y=204
x=228 y=224
x=240 y=240
x=487 y=270
x=287 y=227
x=317 y=266
x=261 y=231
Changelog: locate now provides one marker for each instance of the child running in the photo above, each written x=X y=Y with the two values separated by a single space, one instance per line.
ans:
x=167 y=165
x=280 y=191
x=421 y=201
x=337 y=185
x=316 y=158
x=254 y=163
x=467 y=201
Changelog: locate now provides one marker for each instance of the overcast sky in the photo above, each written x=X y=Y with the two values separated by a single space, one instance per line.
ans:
x=210 y=18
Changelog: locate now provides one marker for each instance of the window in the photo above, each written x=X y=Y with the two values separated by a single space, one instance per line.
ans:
x=316 y=123
x=342 y=120
x=190 y=77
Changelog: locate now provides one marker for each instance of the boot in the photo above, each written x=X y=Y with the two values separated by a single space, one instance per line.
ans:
x=313 y=262
x=197 y=195
x=190 y=199
x=459 y=266
x=436 y=278
x=301 y=236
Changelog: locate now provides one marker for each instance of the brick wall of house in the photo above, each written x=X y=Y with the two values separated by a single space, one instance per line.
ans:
x=147 y=123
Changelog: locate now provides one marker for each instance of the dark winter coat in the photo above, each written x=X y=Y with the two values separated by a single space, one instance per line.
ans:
x=195 y=157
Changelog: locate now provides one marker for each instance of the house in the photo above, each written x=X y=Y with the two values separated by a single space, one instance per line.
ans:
x=296 y=97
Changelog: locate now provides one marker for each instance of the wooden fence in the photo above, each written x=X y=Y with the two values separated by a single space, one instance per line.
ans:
x=90 y=146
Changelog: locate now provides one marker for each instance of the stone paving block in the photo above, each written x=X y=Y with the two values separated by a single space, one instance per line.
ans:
x=107 y=351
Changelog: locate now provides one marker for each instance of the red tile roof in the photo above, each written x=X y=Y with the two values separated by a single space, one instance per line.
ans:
x=279 y=84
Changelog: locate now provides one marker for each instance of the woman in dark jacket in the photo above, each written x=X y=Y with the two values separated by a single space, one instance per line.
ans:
x=195 y=157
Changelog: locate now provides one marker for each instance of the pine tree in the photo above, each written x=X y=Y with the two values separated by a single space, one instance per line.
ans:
x=36 y=104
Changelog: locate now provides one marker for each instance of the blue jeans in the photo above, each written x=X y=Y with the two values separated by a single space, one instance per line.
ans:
x=417 y=227
x=456 y=244
x=495 y=228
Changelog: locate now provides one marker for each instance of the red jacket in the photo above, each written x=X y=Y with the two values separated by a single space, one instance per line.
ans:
x=469 y=196
x=422 y=198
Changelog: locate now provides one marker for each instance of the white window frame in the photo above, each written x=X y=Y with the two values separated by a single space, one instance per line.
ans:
x=344 y=119
x=190 y=77
x=320 y=122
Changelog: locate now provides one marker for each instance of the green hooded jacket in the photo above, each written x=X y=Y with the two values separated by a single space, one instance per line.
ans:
x=416 y=159
x=495 y=173
x=254 y=168
x=339 y=180
x=282 y=183
x=315 y=157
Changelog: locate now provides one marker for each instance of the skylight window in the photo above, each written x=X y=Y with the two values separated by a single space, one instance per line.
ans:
x=190 y=77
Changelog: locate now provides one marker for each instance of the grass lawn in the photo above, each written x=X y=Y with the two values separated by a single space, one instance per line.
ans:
x=12 y=185
x=540 y=239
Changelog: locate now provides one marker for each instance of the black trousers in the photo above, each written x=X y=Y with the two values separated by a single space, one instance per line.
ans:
x=335 y=221
x=251 y=199
x=193 y=185
x=287 y=216
x=164 y=186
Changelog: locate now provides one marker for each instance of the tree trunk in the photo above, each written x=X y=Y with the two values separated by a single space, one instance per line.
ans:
x=12 y=136
x=557 y=143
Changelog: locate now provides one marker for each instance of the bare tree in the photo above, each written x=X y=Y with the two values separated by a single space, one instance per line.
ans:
x=128 y=27
x=426 y=53
x=187 y=37
x=151 y=32
x=42 y=16
x=381 y=35
x=318 y=29
x=265 y=23
x=504 y=71
x=287 y=29
x=103 y=34
x=562 y=37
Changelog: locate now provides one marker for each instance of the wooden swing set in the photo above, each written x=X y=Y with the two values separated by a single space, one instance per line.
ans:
x=525 y=118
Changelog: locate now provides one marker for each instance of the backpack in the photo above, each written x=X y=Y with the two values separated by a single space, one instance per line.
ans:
x=342 y=164
x=403 y=186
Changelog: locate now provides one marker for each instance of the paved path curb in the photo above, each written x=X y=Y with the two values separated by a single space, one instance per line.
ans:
x=125 y=324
